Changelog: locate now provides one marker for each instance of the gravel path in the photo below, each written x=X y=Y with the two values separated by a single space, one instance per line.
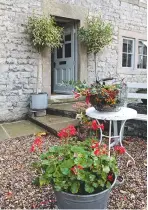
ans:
x=17 y=191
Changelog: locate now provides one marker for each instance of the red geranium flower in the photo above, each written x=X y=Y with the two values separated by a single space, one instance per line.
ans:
x=32 y=149
x=38 y=141
x=94 y=125
x=74 y=170
x=110 y=178
x=121 y=150
x=80 y=167
x=101 y=126
x=97 y=152
x=76 y=95
x=95 y=145
x=67 y=132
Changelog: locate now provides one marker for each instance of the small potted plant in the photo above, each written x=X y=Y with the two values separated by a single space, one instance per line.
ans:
x=43 y=33
x=82 y=173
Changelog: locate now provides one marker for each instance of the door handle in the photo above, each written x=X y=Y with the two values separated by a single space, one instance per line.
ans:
x=54 y=64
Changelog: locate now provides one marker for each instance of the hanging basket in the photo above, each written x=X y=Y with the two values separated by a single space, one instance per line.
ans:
x=104 y=107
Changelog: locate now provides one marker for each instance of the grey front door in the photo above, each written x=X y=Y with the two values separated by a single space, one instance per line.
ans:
x=64 y=62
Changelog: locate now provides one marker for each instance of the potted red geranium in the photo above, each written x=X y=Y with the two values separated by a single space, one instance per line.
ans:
x=81 y=172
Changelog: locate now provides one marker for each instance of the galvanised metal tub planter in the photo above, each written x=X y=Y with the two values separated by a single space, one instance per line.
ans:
x=92 y=201
x=39 y=101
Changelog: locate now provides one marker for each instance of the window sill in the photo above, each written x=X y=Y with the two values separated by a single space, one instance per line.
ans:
x=132 y=71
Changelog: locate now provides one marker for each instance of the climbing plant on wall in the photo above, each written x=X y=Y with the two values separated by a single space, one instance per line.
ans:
x=95 y=35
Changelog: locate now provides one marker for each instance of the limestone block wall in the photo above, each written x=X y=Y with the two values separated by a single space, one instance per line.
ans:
x=122 y=14
x=18 y=60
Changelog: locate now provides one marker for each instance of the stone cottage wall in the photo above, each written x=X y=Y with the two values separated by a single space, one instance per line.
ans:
x=18 y=61
x=123 y=14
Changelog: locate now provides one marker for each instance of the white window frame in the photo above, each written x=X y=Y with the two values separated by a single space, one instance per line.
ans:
x=136 y=37
x=133 y=50
x=142 y=51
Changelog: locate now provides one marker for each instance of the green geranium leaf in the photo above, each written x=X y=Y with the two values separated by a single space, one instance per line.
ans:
x=67 y=164
x=101 y=182
x=45 y=162
x=92 y=177
x=108 y=185
x=57 y=188
x=75 y=187
x=65 y=171
x=106 y=169
x=95 y=184
x=89 y=188
x=50 y=169
x=42 y=181
x=36 y=165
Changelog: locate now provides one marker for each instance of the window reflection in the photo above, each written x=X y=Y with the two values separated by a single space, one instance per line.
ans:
x=142 y=54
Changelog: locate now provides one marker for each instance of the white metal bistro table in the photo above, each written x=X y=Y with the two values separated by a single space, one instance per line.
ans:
x=122 y=115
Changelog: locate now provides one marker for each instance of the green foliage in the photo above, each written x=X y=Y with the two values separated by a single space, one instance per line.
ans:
x=96 y=35
x=44 y=32
x=75 y=168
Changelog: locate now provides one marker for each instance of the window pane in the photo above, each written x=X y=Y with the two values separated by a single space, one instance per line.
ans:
x=142 y=57
x=59 y=52
x=130 y=46
x=129 y=64
x=140 y=62
x=68 y=37
x=124 y=45
x=140 y=49
x=144 y=50
x=144 y=62
x=124 y=59
x=68 y=50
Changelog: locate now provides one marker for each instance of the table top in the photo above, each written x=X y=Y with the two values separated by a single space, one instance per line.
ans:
x=123 y=114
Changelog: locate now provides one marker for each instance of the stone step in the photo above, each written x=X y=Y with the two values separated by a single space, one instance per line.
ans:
x=53 y=123
x=64 y=100
x=63 y=109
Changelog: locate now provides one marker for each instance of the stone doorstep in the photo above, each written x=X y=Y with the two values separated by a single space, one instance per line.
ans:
x=64 y=109
x=64 y=100
x=53 y=123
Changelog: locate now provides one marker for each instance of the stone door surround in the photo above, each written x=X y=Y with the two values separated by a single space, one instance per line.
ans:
x=51 y=7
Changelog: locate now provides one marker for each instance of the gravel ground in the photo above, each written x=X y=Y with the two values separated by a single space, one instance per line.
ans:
x=17 y=191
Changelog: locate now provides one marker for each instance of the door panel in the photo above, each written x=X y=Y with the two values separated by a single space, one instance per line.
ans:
x=64 y=63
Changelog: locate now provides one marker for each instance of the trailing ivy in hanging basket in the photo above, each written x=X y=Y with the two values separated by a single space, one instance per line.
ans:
x=43 y=32
x=96 y=35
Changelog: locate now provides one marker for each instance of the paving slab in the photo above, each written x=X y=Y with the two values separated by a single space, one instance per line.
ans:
x=3 y=134
x=21 y=128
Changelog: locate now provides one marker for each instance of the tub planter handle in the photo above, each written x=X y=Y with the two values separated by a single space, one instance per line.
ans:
x=119 y=181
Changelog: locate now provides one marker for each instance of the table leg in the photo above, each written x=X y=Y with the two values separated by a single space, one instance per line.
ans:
x=110 y=133
x=121 y=137
x=100 y=132
x=115 y=128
